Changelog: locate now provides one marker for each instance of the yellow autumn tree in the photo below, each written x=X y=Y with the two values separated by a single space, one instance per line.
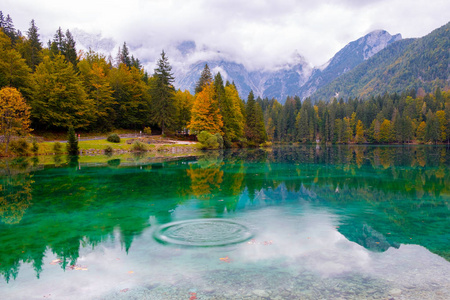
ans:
x=14 y=115
x=440 y=114
x=205 y=114
x=420 y=132
x=359 y=138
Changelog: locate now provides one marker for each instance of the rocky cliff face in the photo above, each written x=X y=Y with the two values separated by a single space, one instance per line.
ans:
x=294 y=79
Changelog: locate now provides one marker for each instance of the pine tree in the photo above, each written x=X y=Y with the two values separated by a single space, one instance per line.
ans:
x=9 y=30
x=72 y=142
x=125 y=55
x=34 y=46
x=255 y=130
x=163 y=92
x=205 y=79
x=58 y=44
x=70 y=52
x=432 y=129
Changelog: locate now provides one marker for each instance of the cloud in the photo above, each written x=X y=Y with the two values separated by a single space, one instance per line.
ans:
x=260 y=34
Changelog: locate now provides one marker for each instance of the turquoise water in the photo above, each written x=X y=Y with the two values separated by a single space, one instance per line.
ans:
x=287 y=223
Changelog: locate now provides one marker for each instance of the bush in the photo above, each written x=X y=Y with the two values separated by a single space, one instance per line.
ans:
x=108 y=150
x=19 y=147
x=147 y=130
x=35 y=147
x=266 y=144
x=113 y=138
x=209 y=141
x=138 y=146
x=57 y=147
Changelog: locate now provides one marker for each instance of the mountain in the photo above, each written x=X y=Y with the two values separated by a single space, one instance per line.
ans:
x=346 y=59
x=297 y=78
x=405 y=64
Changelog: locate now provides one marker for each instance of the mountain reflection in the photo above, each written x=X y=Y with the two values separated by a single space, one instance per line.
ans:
x=384 y=197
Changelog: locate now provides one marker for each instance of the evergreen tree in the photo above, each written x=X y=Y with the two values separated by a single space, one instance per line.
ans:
x=70 y=52
x=34 y=46
x=72 y=142
x=432 y=129
x=9 y=30
x=58 y=44
x=302 y=125
x=162 y=92
x=255 y=130
x=205 y=79
x=125 y=55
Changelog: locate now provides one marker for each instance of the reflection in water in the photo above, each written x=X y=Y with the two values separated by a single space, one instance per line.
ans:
x=318 y=208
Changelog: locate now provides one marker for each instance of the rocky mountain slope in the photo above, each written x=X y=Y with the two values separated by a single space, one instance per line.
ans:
x=294 y=79
x=412 y=63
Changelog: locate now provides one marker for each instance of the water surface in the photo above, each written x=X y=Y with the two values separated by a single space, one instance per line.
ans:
x=287 y=223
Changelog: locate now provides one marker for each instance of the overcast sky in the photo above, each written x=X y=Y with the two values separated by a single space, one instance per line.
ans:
x=257 y=33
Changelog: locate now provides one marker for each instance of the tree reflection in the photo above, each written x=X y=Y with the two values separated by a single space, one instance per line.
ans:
x=388 y=190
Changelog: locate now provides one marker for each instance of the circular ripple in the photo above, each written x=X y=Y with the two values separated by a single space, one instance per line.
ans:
x=203 y=233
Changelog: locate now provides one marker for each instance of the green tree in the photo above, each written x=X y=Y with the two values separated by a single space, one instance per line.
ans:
x=34 y=47
x=132 y=107
x=93 y=72
x=162 y=92
x=255 y=130
x=233 y=117
x=72 y=142
x=432 y=129
x=205 y=79
x=14 y=71
x=59 y=98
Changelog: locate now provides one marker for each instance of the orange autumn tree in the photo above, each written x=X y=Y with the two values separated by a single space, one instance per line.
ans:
x=205 y=114
x=14 y=115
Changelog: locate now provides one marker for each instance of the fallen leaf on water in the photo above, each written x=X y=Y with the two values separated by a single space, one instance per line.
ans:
x=124 y=290
x=130 y=272
x=225 y=259
x=56 y=261
x=78 y=268
x=193 y=296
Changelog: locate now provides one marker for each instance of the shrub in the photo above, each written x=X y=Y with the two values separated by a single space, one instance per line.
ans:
x=147 y=130
x=35 y=147
x=113 y=138
x=19 y=147
x=57 y=147
x=108 y=150
x=138 y=146
x=209 y=141
x=266 y=144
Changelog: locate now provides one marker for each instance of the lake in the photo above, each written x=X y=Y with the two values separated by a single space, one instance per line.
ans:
x=304 y=222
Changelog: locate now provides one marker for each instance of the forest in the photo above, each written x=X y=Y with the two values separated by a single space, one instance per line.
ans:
x=54 y=87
